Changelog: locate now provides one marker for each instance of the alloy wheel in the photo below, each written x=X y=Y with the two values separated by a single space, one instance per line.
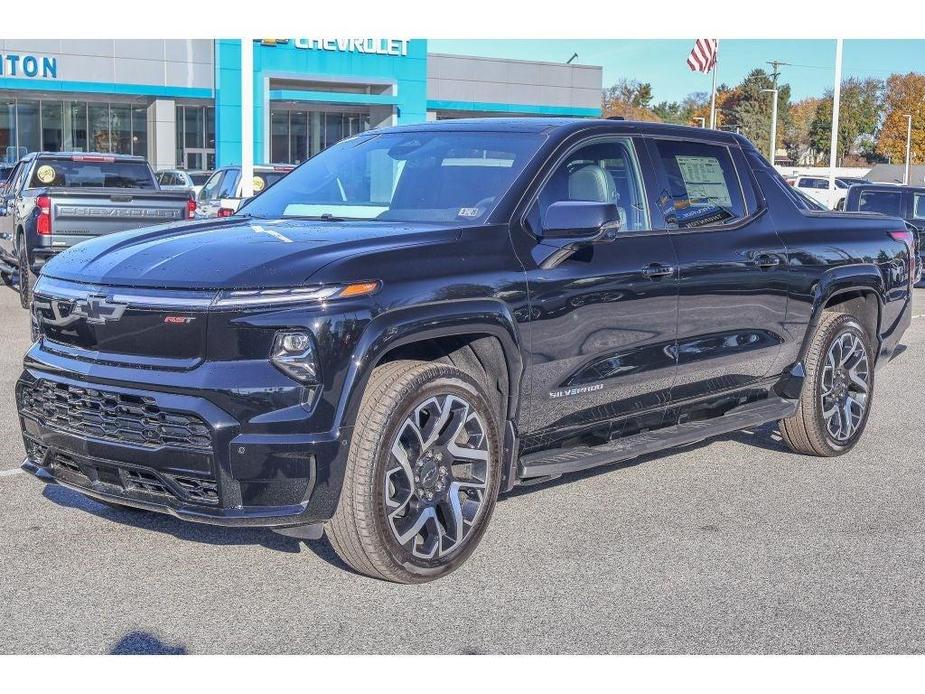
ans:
x=845 y=386
x=437 y=477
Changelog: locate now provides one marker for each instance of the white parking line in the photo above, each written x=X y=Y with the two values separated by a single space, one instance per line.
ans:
x=7 y=473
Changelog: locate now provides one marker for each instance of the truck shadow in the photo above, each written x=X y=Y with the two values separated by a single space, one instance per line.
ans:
x=182 y=530
x=143 y=643
x=766 y=437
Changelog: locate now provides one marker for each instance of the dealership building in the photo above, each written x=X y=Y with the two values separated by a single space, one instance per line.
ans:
x=178 y=102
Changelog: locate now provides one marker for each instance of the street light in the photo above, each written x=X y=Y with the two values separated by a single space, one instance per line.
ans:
x=773 y=124
x=703 y=121
x=908 y=147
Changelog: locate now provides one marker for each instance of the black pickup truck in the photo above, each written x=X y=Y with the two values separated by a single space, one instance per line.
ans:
x=54 y=200
x=422 y=317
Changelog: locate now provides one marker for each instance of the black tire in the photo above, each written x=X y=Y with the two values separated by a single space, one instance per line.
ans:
x=808 y=431
x=363 y=532
x=26 y=276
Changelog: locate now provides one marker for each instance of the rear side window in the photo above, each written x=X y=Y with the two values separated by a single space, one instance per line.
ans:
x=703 y=186
x=918 y=205
x=883 y=201
x=91 y=173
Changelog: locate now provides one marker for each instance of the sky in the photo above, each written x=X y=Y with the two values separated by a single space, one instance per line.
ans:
x=662 y=62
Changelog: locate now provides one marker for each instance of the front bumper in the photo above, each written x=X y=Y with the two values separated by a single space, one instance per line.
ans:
x=175 y=453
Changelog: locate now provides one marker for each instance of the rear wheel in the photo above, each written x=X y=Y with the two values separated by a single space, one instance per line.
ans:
x=422 y=474
x=26 y=276
x=836 y=398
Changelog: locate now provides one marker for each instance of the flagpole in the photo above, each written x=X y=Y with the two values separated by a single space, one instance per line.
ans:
x=713 y=101
x=836 y=102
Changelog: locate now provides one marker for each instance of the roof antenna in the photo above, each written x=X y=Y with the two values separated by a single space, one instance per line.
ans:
x=569 y=61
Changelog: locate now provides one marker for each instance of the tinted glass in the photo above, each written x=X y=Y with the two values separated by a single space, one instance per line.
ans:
x=210 y=190
x=60 y=173
x=199 y=179
x=886 y=202
x=601 y=172
x=918 y=205
x=435 y=176
x=229 y=187
x=703 y=186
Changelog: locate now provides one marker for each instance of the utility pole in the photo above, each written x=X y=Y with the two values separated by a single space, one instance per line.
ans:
x=775 y=70
x=773 y=147
x=908 y=148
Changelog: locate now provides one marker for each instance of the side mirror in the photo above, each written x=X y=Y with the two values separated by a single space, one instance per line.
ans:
x=572 y=224
x=580 y=221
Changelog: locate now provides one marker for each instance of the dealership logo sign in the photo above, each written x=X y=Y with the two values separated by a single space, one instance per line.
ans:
x=396 y=47
x=17 y=65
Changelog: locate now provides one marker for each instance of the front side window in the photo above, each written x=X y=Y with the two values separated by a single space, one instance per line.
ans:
x=229 y=187
x=883 y=201
x=605 y=171
x=703 y=186
x=437 y=176
x=210 y=189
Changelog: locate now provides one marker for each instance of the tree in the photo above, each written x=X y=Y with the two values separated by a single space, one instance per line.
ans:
x=753 y=108
x=797 y=139
x=630 y=99
x=859 y=112
x=904 y=95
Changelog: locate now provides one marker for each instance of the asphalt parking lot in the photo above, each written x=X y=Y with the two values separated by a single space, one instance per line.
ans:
x=731 y=546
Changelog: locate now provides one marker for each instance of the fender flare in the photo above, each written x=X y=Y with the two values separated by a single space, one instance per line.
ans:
x=422 y=322
x=844 y=279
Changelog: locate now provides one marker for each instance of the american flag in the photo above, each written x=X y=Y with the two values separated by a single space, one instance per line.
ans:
x=703 y=57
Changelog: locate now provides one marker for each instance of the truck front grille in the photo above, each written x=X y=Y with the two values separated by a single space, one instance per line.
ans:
x=112 y=416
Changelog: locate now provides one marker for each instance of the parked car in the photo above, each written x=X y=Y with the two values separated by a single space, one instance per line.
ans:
x=420 y=318
x=817 y=187
x=55 y=200
x=907 y=202
x=222 y=194
x=179 y=179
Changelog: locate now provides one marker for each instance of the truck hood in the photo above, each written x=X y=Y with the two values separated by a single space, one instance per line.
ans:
x=232 y=253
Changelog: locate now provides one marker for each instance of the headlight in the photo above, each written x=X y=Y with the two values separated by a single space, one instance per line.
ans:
x=269 y=297
x=294 y=354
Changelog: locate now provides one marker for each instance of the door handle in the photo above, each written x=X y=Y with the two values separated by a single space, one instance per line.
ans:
x=653 y=270
x=766 y=260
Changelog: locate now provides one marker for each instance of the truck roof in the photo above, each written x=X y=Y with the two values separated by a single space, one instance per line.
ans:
x=562 y=126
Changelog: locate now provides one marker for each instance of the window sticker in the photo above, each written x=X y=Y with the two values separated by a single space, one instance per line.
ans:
x=258 y=184
x=704 y=180
x=45 y=174
x=469 y=212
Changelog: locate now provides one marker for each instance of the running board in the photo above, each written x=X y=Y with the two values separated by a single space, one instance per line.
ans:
x=561 y=461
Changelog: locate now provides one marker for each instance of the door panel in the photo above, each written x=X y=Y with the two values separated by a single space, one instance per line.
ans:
x=602 y=332
x=732 y=302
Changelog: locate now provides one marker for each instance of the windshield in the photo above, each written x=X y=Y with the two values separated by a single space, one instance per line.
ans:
x=91 y=173
x=437 y=176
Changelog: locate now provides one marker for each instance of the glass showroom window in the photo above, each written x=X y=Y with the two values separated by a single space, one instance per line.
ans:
x=297 y=135
x=52 y=125
x=195 y=137
x=8 y=131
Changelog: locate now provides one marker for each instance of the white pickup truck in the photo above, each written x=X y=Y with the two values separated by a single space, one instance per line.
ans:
x=817 y=187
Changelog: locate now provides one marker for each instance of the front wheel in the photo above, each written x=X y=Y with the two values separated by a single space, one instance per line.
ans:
x=422 y=474
x=26 y=276
x=837 y=393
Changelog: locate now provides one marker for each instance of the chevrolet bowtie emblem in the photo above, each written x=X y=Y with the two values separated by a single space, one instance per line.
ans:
x=93 y=309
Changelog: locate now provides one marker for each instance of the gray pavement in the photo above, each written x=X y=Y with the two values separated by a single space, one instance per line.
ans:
x=731 y=546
